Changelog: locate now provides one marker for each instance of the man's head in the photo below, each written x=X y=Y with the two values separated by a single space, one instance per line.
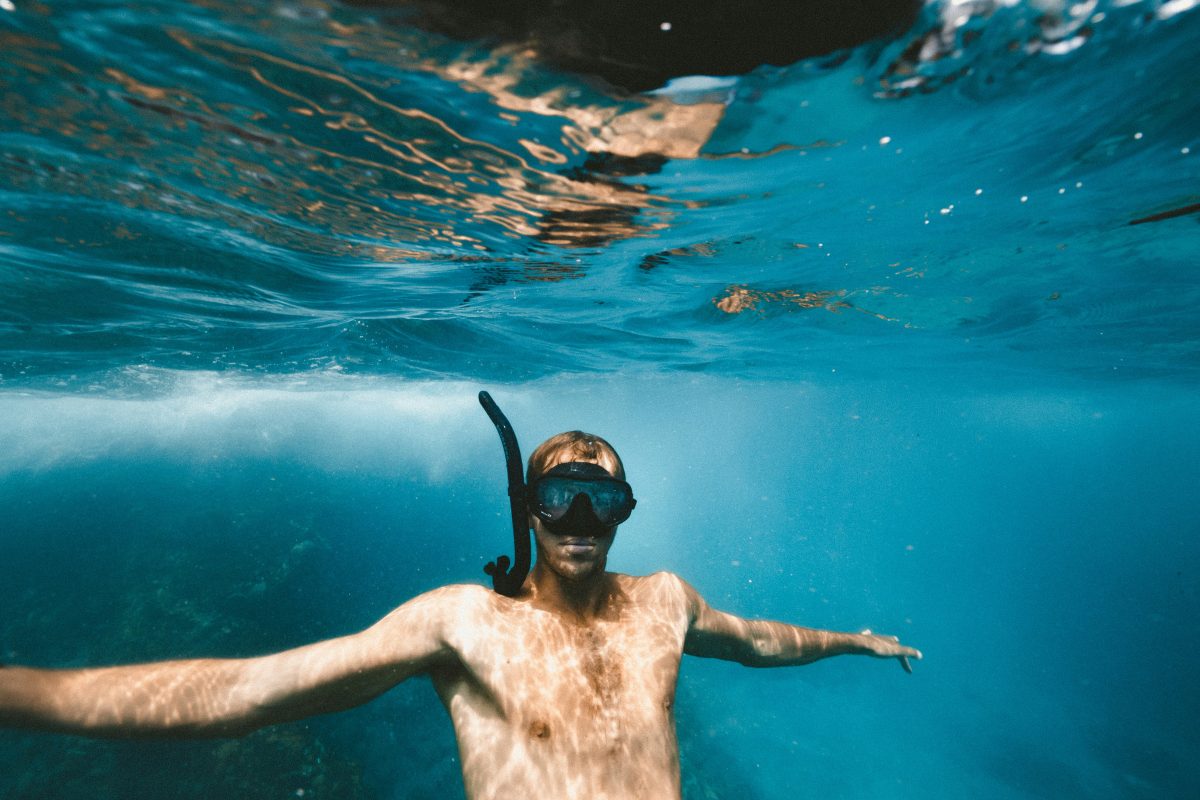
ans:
x=584 y=472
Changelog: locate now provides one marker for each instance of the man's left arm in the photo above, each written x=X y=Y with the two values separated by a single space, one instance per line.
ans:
x=763 y=643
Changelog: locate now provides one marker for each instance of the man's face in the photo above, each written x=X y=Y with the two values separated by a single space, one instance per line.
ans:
x=574 y=554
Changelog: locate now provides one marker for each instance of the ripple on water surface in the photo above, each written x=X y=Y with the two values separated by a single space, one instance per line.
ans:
x=281 y=187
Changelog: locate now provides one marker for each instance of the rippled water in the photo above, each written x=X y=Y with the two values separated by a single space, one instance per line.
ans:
x=902 y=336
x=288 y=187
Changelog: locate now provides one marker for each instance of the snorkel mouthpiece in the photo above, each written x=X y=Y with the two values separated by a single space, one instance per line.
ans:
x=504 y=580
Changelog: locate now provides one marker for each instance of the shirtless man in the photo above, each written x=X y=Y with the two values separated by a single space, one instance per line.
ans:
x=564 y=690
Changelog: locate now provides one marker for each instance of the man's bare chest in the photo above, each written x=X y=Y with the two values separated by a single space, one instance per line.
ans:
x=612 y=677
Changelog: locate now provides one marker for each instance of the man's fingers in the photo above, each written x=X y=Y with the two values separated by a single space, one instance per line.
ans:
x=893 y=649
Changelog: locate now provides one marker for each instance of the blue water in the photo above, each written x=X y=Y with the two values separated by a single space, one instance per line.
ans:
x=911 y=345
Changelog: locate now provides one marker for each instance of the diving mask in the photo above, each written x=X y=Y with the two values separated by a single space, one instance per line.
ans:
x=579 y=495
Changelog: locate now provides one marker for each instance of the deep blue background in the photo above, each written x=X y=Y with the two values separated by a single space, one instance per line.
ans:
x=1038 y=545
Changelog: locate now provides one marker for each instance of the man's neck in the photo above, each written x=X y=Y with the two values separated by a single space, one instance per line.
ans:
x=581 y=599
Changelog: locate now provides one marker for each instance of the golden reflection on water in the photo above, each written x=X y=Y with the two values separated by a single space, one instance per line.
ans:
x=740 y=298
x=324 y=160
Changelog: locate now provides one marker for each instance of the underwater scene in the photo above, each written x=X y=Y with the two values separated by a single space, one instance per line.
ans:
x=890 y=309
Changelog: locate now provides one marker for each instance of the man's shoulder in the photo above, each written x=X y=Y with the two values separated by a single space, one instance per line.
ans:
x=662 y=577
x=454 y=598
x=464 y=591
x=661 y=585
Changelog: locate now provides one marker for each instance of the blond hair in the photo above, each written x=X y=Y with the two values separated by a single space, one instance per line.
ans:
x=575 y=446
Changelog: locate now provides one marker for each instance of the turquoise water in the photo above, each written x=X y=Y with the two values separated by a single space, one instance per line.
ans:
x=910 y=345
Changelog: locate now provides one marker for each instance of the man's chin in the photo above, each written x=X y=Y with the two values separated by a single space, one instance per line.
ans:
x=580 y=570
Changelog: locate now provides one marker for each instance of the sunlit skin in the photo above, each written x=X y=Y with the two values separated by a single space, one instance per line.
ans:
x=565 y=691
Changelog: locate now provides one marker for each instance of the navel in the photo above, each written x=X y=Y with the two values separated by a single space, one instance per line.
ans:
x=539 y=729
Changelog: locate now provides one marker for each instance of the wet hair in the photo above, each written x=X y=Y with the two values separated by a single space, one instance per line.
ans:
x=578 y=446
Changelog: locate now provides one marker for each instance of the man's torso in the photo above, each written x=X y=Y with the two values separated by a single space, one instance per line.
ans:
x=549 y=705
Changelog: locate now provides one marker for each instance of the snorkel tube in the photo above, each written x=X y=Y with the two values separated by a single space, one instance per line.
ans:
x=504 y=580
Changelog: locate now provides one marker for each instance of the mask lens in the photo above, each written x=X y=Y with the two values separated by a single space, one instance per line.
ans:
x=554 y=496
x=611 y=500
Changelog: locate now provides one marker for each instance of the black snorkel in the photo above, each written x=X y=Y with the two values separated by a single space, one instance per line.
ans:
x=504 y=580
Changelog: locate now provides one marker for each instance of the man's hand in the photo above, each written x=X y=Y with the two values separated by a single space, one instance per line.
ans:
x=888 y=647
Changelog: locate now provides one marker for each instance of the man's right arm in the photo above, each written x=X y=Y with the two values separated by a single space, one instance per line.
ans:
x=232 y=697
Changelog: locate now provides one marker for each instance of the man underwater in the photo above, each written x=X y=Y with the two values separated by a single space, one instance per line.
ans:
x=563 y=690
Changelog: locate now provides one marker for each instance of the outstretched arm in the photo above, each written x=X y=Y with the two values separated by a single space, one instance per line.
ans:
x=231 y=697
x=762 y=643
